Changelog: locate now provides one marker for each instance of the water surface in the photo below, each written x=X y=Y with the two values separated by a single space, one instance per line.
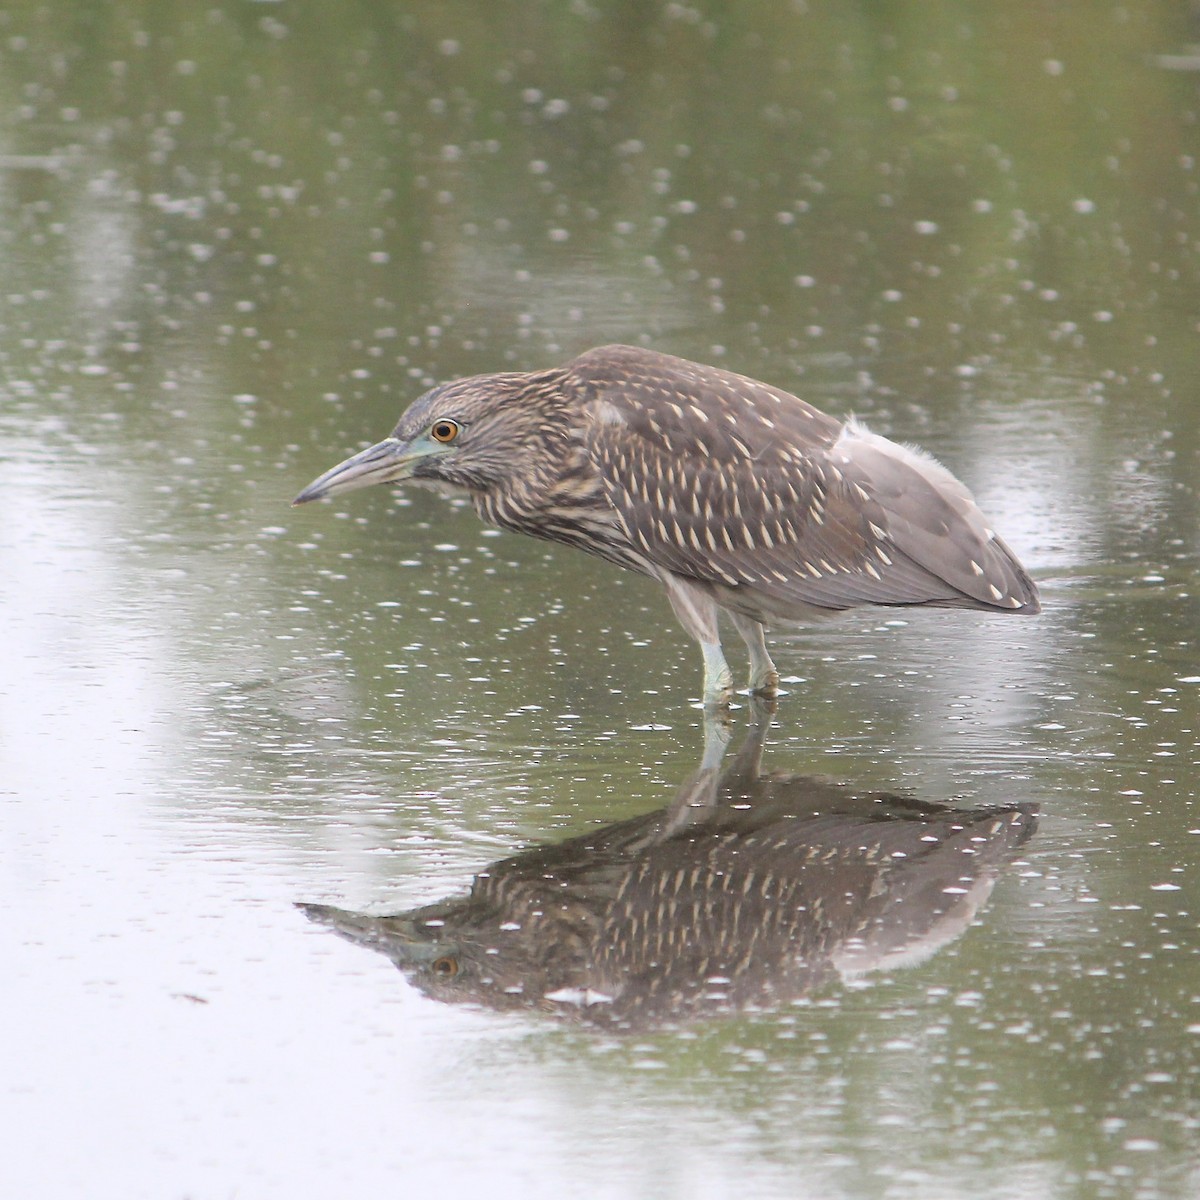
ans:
x=236 y=241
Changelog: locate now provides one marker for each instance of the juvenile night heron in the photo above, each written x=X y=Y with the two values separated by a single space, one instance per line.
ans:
x=738 y=497
x=749 y=890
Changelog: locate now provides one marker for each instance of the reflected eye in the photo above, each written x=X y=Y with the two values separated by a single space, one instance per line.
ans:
x=445 y=430
x=447 y=966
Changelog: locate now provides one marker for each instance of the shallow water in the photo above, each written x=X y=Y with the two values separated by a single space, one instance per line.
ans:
x=236 y=242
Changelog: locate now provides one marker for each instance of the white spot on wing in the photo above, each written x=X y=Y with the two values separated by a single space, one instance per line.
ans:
x=608 y=414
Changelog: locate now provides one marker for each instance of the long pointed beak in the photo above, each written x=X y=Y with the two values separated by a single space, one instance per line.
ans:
x=404 y=938
x=389 y=461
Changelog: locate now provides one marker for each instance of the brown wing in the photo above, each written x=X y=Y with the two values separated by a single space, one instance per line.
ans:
x=933 y=519
x=725 y=480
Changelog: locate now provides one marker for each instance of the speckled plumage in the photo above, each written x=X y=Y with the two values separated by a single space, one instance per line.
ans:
x=748 y=891
x=736 y=495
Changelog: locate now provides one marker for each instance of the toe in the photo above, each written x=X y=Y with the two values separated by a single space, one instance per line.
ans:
x=765 y=685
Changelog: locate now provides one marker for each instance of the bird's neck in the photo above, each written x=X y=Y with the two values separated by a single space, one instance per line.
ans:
x=563 y=500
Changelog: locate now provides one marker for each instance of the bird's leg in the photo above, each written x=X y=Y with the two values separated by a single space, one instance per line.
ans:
x=746 y=768
x=717 y=732
x=718 y=678
x=710 y=788
x=764 y=678
x=697 y=800
x=697 y=612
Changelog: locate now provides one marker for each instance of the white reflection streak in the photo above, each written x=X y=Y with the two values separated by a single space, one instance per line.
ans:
x=1033 y=487
x=103 y=242
x=971 y=685
x=77 y=693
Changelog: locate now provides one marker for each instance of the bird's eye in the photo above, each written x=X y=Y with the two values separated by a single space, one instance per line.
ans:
x=447 y=966
x=445 y=431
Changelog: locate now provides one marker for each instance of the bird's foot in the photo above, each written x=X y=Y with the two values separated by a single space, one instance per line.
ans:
x=765 y=683
x=717 y=701
x=762 y=708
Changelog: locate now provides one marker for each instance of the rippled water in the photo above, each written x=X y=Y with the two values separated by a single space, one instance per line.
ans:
x=236 y=242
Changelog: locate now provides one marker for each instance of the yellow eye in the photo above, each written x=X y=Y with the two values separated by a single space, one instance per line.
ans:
x=445 y=431
x=446 y=967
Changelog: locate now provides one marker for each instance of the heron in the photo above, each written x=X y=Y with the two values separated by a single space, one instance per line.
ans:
x=750 y=890
x=738 y=497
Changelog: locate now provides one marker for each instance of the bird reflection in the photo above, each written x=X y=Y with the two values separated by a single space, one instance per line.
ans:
x=748 y=891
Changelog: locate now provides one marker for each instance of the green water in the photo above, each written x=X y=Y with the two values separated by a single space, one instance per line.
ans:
x=236 y=239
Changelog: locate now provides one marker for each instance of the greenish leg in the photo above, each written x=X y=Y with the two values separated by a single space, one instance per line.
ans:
x=718 y=679
x=764 y=678
x=699 y=798
x=697 y=613
x=717 y=732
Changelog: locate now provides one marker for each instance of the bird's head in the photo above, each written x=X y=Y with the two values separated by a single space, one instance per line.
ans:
x=468 y=435
x=471 y=949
